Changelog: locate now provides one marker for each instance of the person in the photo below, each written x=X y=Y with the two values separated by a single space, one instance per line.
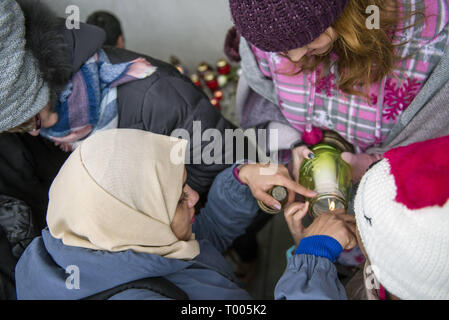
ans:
x=46 y=70
x=310 y=66
x=121 y=210
x=51 y=96
x=400 y=223
x=111 y=25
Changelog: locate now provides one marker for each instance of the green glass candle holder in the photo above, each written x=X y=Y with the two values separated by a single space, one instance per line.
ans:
x=330 y=176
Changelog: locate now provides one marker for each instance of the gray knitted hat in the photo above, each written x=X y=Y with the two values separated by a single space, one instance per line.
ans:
x=23 y=92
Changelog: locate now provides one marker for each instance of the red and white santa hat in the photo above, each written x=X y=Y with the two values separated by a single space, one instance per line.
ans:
x=402 y=213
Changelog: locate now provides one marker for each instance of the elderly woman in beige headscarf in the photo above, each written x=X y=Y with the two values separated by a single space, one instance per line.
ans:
x=122 y=225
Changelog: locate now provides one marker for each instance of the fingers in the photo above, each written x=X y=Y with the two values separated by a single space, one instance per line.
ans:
x=283 y=179
x=348 y=157
x=268 y=200
x=341 y=227
x=307 y=153
x=352 y=241
x=297 y=209
x=303 y=151
x=351 y=228
x=294 y=214
x=349 y=218
x=299 y=154
x=296 y=187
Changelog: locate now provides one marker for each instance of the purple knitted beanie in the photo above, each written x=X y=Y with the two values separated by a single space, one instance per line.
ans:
x=282 y=25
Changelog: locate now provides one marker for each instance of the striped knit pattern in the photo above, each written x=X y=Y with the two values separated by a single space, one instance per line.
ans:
x=89 y=102
x=313 y=97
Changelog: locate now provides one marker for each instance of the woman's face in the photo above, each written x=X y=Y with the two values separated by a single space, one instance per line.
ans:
x=185 y=212
x=317 y=47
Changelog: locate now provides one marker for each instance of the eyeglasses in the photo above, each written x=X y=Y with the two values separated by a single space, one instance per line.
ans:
x=33 y=124
x=37 y=121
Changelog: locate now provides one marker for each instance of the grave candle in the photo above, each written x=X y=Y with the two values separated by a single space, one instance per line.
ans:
x=330 y=176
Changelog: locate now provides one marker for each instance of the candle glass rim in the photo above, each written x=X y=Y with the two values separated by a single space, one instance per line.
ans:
x=323 y=196
x=267 y=209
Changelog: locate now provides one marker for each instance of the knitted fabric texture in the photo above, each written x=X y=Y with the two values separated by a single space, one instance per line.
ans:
x=23 y=92
x=89 y=102
x=282 y=25
x=406 y=240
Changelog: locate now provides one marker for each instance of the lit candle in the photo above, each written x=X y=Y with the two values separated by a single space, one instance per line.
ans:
x=329 y=176
x=215 y=103
x=211 y=81
x=196 y=79
x=331 y=204
x=203 y=67
x=218 y=95
x=223 y=67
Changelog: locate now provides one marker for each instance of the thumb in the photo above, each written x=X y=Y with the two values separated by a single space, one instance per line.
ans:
x=348 y=157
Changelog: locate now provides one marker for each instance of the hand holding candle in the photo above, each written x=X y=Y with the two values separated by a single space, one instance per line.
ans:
x=260 y=184
x=299 y=154
x=329 y=176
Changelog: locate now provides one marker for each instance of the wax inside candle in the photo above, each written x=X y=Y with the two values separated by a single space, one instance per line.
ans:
x=325 y=174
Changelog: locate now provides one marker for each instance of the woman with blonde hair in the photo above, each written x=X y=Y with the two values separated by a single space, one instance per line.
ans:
x=355 y=67
x=373 y=71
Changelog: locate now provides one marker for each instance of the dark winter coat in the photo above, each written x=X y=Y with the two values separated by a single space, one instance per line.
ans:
x=17 y=230
x=161 y=103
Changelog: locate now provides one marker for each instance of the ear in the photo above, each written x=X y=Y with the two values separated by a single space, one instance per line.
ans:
x=120 y=42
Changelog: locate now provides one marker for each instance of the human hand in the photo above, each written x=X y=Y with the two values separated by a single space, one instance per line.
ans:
x=337 y=225
x=260 y=183
x=359 y=163
x=298 y=155
x=294 y=213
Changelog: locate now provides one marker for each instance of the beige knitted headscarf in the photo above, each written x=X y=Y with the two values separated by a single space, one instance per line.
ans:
x=119 y=190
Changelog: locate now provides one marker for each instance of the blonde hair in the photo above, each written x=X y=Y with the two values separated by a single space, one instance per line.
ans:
x=365 y=56
x=25 y=127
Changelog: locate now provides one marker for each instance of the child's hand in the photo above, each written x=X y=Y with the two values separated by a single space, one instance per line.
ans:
x=337 y=225
x=294 y=214
x=298 y=155
x=260 y=178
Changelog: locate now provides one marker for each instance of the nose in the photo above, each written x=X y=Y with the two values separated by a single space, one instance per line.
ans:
x=34 y=133
x=193 y=197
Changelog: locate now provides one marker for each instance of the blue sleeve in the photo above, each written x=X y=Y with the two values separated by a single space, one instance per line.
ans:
x=321 y=246
x=310 y=273
x=229 y=210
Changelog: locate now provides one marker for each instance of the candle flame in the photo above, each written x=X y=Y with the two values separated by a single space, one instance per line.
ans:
x=332 y=206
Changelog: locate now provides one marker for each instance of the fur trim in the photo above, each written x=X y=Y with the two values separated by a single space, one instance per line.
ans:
x=47 y=44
